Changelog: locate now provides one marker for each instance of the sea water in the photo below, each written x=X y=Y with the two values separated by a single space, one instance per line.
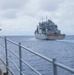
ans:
x=62 y=50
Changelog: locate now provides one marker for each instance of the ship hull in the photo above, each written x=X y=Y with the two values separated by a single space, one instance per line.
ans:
x=50 y=37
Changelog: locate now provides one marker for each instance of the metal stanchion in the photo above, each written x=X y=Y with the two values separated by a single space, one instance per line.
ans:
x=20 y=57
x=54 y=67
x=6 y=53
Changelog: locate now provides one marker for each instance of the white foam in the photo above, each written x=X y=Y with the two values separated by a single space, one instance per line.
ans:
x=70 y=41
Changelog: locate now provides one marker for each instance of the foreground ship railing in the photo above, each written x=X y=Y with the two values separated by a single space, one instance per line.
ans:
x=6 y=62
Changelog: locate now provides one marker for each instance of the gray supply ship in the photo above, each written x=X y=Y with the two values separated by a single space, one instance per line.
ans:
x=48 y=30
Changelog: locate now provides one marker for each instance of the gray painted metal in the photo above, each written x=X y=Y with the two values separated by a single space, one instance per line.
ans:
x=54 y=67
x=53 y=61
x=22 y=61
x=6 y=55
x=20 y=57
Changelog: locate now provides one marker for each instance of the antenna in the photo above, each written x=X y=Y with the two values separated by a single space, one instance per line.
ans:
x=50 y=18
x=0 y=29
x=42 y=19
x=46 y=18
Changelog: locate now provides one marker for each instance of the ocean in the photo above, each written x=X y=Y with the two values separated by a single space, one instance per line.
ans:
x=62 y=50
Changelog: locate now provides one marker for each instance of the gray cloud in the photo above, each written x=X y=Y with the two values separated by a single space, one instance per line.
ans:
x=12 y=4
x=32 y=8
x=10 y=8
x=65 y=12
x=50 y=5
x=26 y=14
x=10 y=15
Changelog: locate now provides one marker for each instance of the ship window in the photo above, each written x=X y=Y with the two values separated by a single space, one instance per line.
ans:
x=55 y=33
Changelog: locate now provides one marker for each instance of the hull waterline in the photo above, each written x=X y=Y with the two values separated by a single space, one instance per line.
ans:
x=50 y=37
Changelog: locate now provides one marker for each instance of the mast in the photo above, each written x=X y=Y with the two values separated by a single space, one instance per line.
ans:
x=0 y=29
x=42 y=19
x=46 y=18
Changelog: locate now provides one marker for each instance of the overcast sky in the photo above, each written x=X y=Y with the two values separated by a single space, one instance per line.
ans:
x=20 y=17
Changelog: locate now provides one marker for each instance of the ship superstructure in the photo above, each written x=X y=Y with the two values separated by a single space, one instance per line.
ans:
x=48 y=30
